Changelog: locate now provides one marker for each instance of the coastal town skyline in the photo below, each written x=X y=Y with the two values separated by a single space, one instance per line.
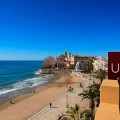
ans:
x=34 y=30
x=57 y=56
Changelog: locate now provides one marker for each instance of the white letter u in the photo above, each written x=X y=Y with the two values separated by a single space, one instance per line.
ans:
x=113 y=70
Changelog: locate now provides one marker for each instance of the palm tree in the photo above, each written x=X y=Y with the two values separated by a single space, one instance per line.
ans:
x=91 y=95
x=72 y=113
x=101 y=74
x=96 y=88
x=87 y=66
x=63 y=117
x=87 y=115
x=90 y=65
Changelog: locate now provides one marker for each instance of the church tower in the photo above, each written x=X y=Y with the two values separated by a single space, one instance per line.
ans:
x=65 y=53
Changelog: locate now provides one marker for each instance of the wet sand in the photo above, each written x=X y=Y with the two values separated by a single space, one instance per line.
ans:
x=29 y=104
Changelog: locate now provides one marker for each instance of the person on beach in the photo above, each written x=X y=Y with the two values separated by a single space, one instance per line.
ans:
x=81 y=85
x=11 y=102
x=34 y=91
x=70 y=89
x=50 y=105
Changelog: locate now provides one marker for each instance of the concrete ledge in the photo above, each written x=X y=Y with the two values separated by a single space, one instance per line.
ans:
x=107 y=112
x=109 y=101
x=109 y=92
x=110 y=83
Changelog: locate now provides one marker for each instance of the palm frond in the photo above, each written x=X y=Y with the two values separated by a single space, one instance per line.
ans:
x=87 y=115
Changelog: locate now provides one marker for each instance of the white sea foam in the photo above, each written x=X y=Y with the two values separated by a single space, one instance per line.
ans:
x=37 y=73
x=4 y=91
x=48 y=76
x=29 y=83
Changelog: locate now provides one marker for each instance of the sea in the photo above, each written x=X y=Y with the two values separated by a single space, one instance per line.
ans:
x=19 y=77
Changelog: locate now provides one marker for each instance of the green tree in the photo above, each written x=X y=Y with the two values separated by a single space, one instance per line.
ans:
x=102 y=74
x=72 y=113
x=91 y=95
x=87 y=115
x=90 y=65
x=84 y=66
x=96 y=88
x=87 y=65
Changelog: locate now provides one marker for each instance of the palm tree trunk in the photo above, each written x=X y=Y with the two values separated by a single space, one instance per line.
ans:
x=74 y=118
x=101 y=79
x=92 y=106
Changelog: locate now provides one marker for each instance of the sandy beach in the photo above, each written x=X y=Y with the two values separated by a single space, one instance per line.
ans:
x=29 y=104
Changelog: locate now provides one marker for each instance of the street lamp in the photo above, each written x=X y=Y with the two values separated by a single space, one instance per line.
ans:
x=67 y=105
x=89 y=80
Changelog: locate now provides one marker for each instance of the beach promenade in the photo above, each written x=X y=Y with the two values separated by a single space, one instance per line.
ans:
x=27 y=105
x=32 y=106
x=59 y=107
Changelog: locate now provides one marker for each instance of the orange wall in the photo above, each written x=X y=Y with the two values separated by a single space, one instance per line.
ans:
x=109 y=101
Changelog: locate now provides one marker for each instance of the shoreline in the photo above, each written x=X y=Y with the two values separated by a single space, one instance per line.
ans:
x=41 y=98
x=22 y=92
x=27 y=93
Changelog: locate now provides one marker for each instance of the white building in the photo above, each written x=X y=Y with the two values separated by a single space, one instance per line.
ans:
x=100 y=63
x=79 y=65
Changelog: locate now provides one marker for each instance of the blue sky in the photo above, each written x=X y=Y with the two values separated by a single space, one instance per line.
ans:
x=35 y=29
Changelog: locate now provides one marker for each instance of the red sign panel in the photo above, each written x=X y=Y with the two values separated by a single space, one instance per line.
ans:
x=114 y=65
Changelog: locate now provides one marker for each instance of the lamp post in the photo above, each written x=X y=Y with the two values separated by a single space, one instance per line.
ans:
x=67 y=105
x=93 y=80
x=89 y=80
x=83 y=86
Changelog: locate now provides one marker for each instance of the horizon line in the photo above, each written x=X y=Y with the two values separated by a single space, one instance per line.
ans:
x=21 y=60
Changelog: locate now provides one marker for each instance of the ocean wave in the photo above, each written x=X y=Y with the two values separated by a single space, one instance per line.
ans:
x=48 y=76
x=28 y=83
x=37 y=73
x=4 y=91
